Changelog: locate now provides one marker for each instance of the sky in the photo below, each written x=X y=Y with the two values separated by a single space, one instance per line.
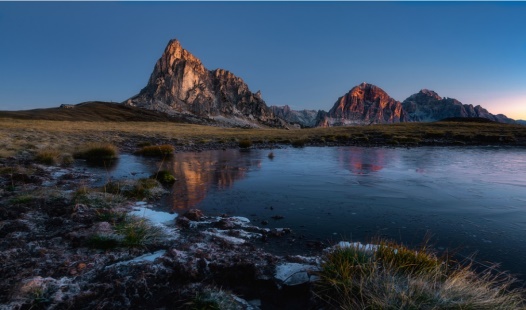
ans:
x=303 y=54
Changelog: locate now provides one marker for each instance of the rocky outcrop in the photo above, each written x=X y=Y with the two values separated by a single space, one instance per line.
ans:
x=180 y=84
x=362 y=105
x=428 y=106
x=303 y=118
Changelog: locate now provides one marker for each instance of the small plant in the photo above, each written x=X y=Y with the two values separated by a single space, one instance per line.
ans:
x=164 y=177
x=156 y=150
x=48 y=157
x=138 y=189
x=98 y=153
x=245 y=144
x=271 y=155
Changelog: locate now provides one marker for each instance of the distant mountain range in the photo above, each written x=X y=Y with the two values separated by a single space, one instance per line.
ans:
x=181 y=89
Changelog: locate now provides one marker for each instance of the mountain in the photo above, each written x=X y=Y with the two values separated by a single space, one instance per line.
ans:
x=303 y=118
x=428 y=106
x=521 y=122
x=180 y=84
x=362 y=105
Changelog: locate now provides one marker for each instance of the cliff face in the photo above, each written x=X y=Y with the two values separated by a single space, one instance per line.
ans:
x=303 y=118
x=362 y=105
x=428 y=106
x=180 y=84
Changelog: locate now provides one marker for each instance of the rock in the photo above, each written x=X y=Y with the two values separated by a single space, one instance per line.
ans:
x=194 y=215
x=294 y=274
x=180 y=84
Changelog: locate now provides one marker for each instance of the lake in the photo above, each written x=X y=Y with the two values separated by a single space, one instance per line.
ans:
x=471 y=200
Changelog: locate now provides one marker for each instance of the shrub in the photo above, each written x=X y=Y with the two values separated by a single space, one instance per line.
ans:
x=245 y=143
x=98 y=153
x=156 y=150
x=164 y=177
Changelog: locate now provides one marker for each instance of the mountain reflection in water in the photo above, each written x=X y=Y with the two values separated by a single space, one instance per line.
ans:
x=198 y=172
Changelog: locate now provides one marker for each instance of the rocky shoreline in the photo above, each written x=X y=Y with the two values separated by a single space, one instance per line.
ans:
x=48 y=259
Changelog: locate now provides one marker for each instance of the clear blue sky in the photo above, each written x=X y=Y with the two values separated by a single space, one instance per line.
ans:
x=304 y=54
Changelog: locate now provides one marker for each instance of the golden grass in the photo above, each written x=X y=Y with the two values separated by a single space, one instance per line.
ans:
x=395 y=277
x=19 y=135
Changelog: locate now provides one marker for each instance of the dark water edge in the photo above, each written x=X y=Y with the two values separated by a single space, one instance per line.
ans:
x=465 y=199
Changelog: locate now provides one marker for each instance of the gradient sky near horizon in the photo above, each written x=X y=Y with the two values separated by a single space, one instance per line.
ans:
x=304 y=54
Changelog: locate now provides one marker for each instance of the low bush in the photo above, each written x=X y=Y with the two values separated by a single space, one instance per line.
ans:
x=156 y=150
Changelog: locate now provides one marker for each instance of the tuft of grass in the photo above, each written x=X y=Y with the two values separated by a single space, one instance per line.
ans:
x=245 y=143
x=156 y=150
x=136 y=231
x=164 y=177
x=299 y=143
x=139 y=189
x=271 y=155
x=48 y=157
x=392 y=276
x=22 y=199
x=98 y=153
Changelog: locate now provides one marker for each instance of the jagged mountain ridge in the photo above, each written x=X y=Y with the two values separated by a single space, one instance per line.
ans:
x=427 y=105
x=180 y=84
x=303 y=118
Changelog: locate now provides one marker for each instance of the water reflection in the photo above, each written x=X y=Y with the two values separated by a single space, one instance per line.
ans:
x=197 y=173
x=362 y=161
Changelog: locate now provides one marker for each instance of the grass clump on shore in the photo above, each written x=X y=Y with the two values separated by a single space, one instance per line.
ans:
x=136 y=189
x=156 y=150
x=245 y=144
x=137 y=231
x=48 y=157
x=164 y=177
x=98 y=153
x=391 y=276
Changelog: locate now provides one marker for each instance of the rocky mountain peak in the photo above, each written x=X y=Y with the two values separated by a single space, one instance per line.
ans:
x=180 y=84
x=364 y=104
x=430 y=93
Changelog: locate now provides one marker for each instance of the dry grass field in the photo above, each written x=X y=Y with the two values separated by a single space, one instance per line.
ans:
x=18 y=135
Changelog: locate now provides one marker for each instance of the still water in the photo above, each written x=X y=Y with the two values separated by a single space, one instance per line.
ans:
x=469 y=199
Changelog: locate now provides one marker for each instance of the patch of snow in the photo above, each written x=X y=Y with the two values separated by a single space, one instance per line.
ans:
x=294 y=273
x=154 y=216
x=240 y=220
x=149 y=257
x=222 y=236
